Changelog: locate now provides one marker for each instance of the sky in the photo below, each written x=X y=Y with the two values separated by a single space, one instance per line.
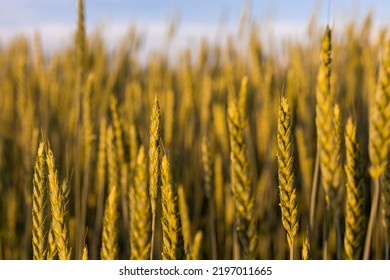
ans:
x=55 y=20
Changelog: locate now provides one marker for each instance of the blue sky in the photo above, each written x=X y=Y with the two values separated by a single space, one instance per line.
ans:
x=56 y=19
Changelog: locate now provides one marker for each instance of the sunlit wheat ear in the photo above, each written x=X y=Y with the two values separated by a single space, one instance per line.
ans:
x=154 y=163
x=173 y=243
x=85 y=257
x=141 y=223
x=57 y=209
x=306 y=250
x=207 y=169
x=379 y=136
x=355 y=219
x=324 y=122
x=287 y=189
x=154 y=151
x=39 y=234
x=241 y=180
x=109 y=249
x=117 y=129
x=112 y=159
x=379 y=141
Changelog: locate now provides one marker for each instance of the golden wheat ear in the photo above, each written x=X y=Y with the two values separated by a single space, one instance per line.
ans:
x=306 y=250
x=173 y=242
x=287 y=189
x=379 y=141
x=85 y=257
x=109 y=249
x=355 y=219
x=242 y=183
x=154 y=163
x=58 y=210
x=141 y=223
x=39 y=234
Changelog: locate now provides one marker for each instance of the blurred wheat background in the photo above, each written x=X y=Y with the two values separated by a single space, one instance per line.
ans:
x=229 y=152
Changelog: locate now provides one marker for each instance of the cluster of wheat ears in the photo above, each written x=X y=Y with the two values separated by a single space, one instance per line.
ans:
x=227 y=152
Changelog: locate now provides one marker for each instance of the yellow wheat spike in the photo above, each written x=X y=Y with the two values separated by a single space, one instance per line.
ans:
x=141 y=223
x=287 y=189
x=57 y=209
x=242 y=185
x=173 y=243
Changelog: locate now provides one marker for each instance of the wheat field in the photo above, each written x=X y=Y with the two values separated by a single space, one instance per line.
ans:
x=231 y=152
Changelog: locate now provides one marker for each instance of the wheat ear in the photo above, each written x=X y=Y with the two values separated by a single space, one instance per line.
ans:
x=324 y=122
x=85 y=257
x=287 y=190
x=355 y=220
x=109 y=250
x=379 y=141
x=173 y=243
x=39 y=234
x=242 y=185
x=57 y=209
x=306 y=250
x=154 y=163
x=209 y=191
x=327 y=135
x=141 y=218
